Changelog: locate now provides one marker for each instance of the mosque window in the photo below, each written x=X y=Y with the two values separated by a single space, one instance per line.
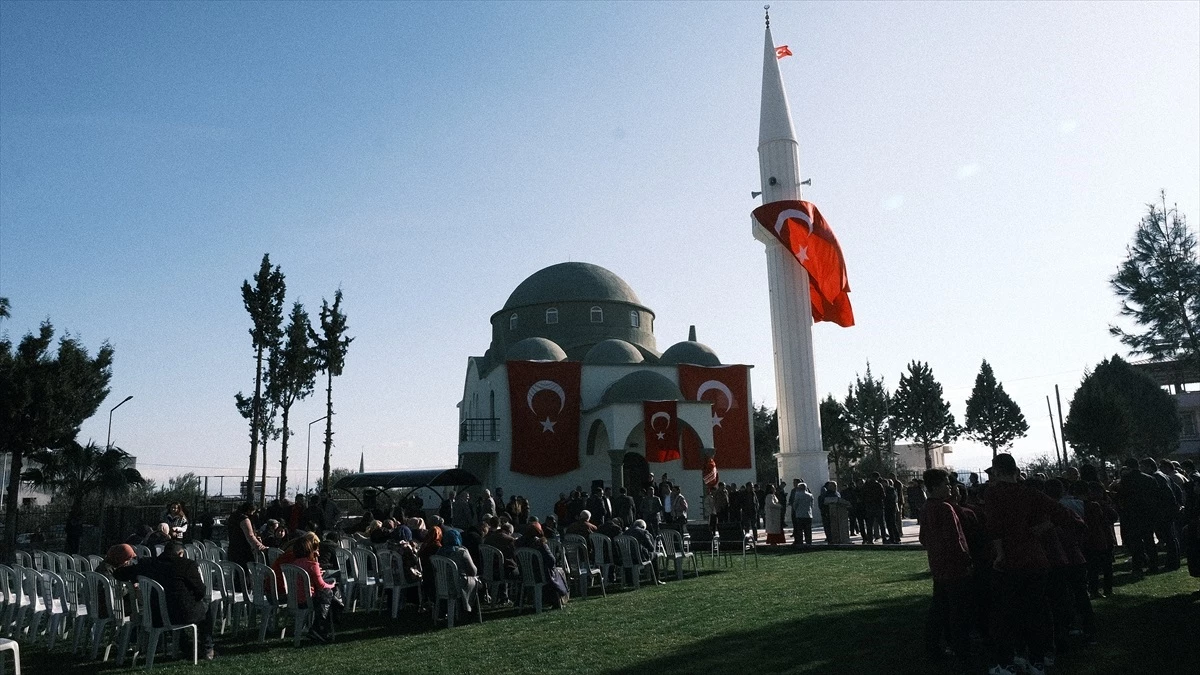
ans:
x=552 y=315
x=597 y=315
x=634 y=320
x=512 y=321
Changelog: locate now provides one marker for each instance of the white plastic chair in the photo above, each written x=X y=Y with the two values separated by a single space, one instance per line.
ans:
x=347 y=574
x=11 y=646
x=75 y=599
x=491 y=570
x=104 y=608
x=236 y=604
x=30 y=601
x=264 y=598
x=82 y=564
x=632 y=565
x=673 y=548
x=450 y=590
x=602 y=554
x=6 y=596
x=533 y=577
x=24 y=559
x=391 y=569
x=366 y=584
x=299 y=599
x=142 y=552
x=94 y=562
x=582 y=569
x=152 y=595
x=273 y=554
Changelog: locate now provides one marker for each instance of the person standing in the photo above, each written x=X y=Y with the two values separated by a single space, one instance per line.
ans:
x=1137 y=503
x=679 y=507
x=625 y=508
x=802 y=515
x=945 y=544
x=243 y=540
x=773 y=517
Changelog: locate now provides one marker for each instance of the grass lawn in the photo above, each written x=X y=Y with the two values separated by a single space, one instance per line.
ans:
x=827 y=611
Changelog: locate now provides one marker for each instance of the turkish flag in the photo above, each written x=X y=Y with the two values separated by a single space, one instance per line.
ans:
x=727 y=389
x=545 y=408
x=661 y=423
x=782 y=51
x=801 y=228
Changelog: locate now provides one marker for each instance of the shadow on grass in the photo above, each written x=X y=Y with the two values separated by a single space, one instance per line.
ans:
x=849 y=638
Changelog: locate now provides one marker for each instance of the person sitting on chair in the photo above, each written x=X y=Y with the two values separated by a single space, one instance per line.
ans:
x=186 y=596
x=648 y=549
x=304 y=553
x=452 y=548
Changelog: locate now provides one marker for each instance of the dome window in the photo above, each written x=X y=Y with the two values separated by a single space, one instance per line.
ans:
x=512 y=321
x=634 y=320
x=552 y=316
x=597 y=315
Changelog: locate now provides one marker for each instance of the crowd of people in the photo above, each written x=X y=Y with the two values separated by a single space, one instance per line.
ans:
x=1017 y=561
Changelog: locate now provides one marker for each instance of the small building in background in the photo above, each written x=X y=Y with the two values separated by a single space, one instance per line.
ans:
x=1182 y=380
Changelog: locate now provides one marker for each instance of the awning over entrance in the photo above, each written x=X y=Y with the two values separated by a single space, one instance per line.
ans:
x=416 y=478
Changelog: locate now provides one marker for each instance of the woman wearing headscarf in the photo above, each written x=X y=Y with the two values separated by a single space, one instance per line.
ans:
x=452 y=548
x=774 y=518
x=430 y=545
x=556 y=584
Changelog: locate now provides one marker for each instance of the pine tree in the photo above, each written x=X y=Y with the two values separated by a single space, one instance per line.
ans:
x=294 y=376
x=837 y=436
x=1159 y=287
x=264 y=302
x=330 y=347
x=919 y=412
x=1119 y=410
x=993 y=418
x=867 y=411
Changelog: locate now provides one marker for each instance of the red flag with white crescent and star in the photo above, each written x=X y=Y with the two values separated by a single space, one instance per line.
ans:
x=545 y=409
x=801 y=228
x=727 y=388
x=782 y=51
x=661 y=423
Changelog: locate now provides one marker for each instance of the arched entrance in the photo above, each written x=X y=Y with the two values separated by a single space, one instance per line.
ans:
x=635 y=472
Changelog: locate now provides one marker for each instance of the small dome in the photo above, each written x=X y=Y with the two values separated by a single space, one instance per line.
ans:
x=690 y=352
x=642 y=385
x=571 y=281
x=613 y=353
x=535 y=349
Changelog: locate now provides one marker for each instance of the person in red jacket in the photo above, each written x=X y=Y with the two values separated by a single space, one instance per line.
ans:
x=1017 y=516
x=950 y=564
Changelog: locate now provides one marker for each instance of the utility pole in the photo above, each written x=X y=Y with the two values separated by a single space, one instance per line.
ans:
x=1062 y=429
x=1053 y=433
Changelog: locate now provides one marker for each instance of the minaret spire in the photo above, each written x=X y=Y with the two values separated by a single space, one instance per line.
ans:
x=801 y=454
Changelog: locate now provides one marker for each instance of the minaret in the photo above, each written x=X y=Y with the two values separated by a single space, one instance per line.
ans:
x=801 y=454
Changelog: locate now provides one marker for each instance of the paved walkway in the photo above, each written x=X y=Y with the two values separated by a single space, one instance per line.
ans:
x=908 y=537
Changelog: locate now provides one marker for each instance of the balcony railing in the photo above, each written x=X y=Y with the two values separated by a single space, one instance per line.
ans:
x=479 y=429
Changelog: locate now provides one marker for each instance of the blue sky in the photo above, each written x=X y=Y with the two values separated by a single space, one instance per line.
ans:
x=982 y=164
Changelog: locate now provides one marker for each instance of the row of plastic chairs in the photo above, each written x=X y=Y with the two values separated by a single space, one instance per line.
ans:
x=57 y=562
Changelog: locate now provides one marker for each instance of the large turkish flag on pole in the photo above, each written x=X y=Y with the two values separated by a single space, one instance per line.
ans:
x=544 y=402
x=801 y=228
x=661 y=423
x=727 y=389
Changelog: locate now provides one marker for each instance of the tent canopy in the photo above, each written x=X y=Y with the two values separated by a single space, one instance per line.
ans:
x=416 y=478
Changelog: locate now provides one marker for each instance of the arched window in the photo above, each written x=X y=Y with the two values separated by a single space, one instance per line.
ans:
x=512 y=321
x=552 y=315
x=634 y=320
x=597 y=315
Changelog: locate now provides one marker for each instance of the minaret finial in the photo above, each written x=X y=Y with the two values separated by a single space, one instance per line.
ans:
x=767 y=10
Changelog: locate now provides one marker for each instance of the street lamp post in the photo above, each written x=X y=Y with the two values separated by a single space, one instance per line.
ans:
x=108 y=445
x=308 y=457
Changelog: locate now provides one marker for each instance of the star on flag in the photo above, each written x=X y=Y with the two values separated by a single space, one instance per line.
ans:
x=782 y=51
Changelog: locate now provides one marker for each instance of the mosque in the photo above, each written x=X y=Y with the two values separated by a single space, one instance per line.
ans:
x=573 y=392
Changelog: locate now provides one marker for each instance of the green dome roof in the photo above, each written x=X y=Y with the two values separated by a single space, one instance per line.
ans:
x=535 y=349
x=571 y=281
x=690 y=352
x=641 y=385
x=613 y=353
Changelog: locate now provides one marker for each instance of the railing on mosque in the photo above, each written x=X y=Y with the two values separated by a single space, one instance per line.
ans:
x=479 y=429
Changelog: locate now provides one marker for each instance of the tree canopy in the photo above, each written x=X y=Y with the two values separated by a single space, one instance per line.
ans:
x=993 y=418
x=264 y=302
x=920 y=412
x=838 y=437
x=1118 y=410
x=867 y=411
x=45 y=395
x=293 y=375
x=1159 y=287
x=330 y=347
x=766 y=444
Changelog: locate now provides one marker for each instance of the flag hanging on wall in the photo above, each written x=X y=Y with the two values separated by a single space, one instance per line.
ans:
x=801 y=228
x=544 y=400
x=661 y=424
x=727 y=389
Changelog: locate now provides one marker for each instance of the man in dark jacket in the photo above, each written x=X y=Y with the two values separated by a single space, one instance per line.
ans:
x=187 y=599
x=1138 y=504
x=624 y=507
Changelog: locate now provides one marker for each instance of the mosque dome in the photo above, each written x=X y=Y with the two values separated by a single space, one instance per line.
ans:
x=571 y=282
x=535 y=349
x=641 y=385
x=613 y=352
x=690 y=352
